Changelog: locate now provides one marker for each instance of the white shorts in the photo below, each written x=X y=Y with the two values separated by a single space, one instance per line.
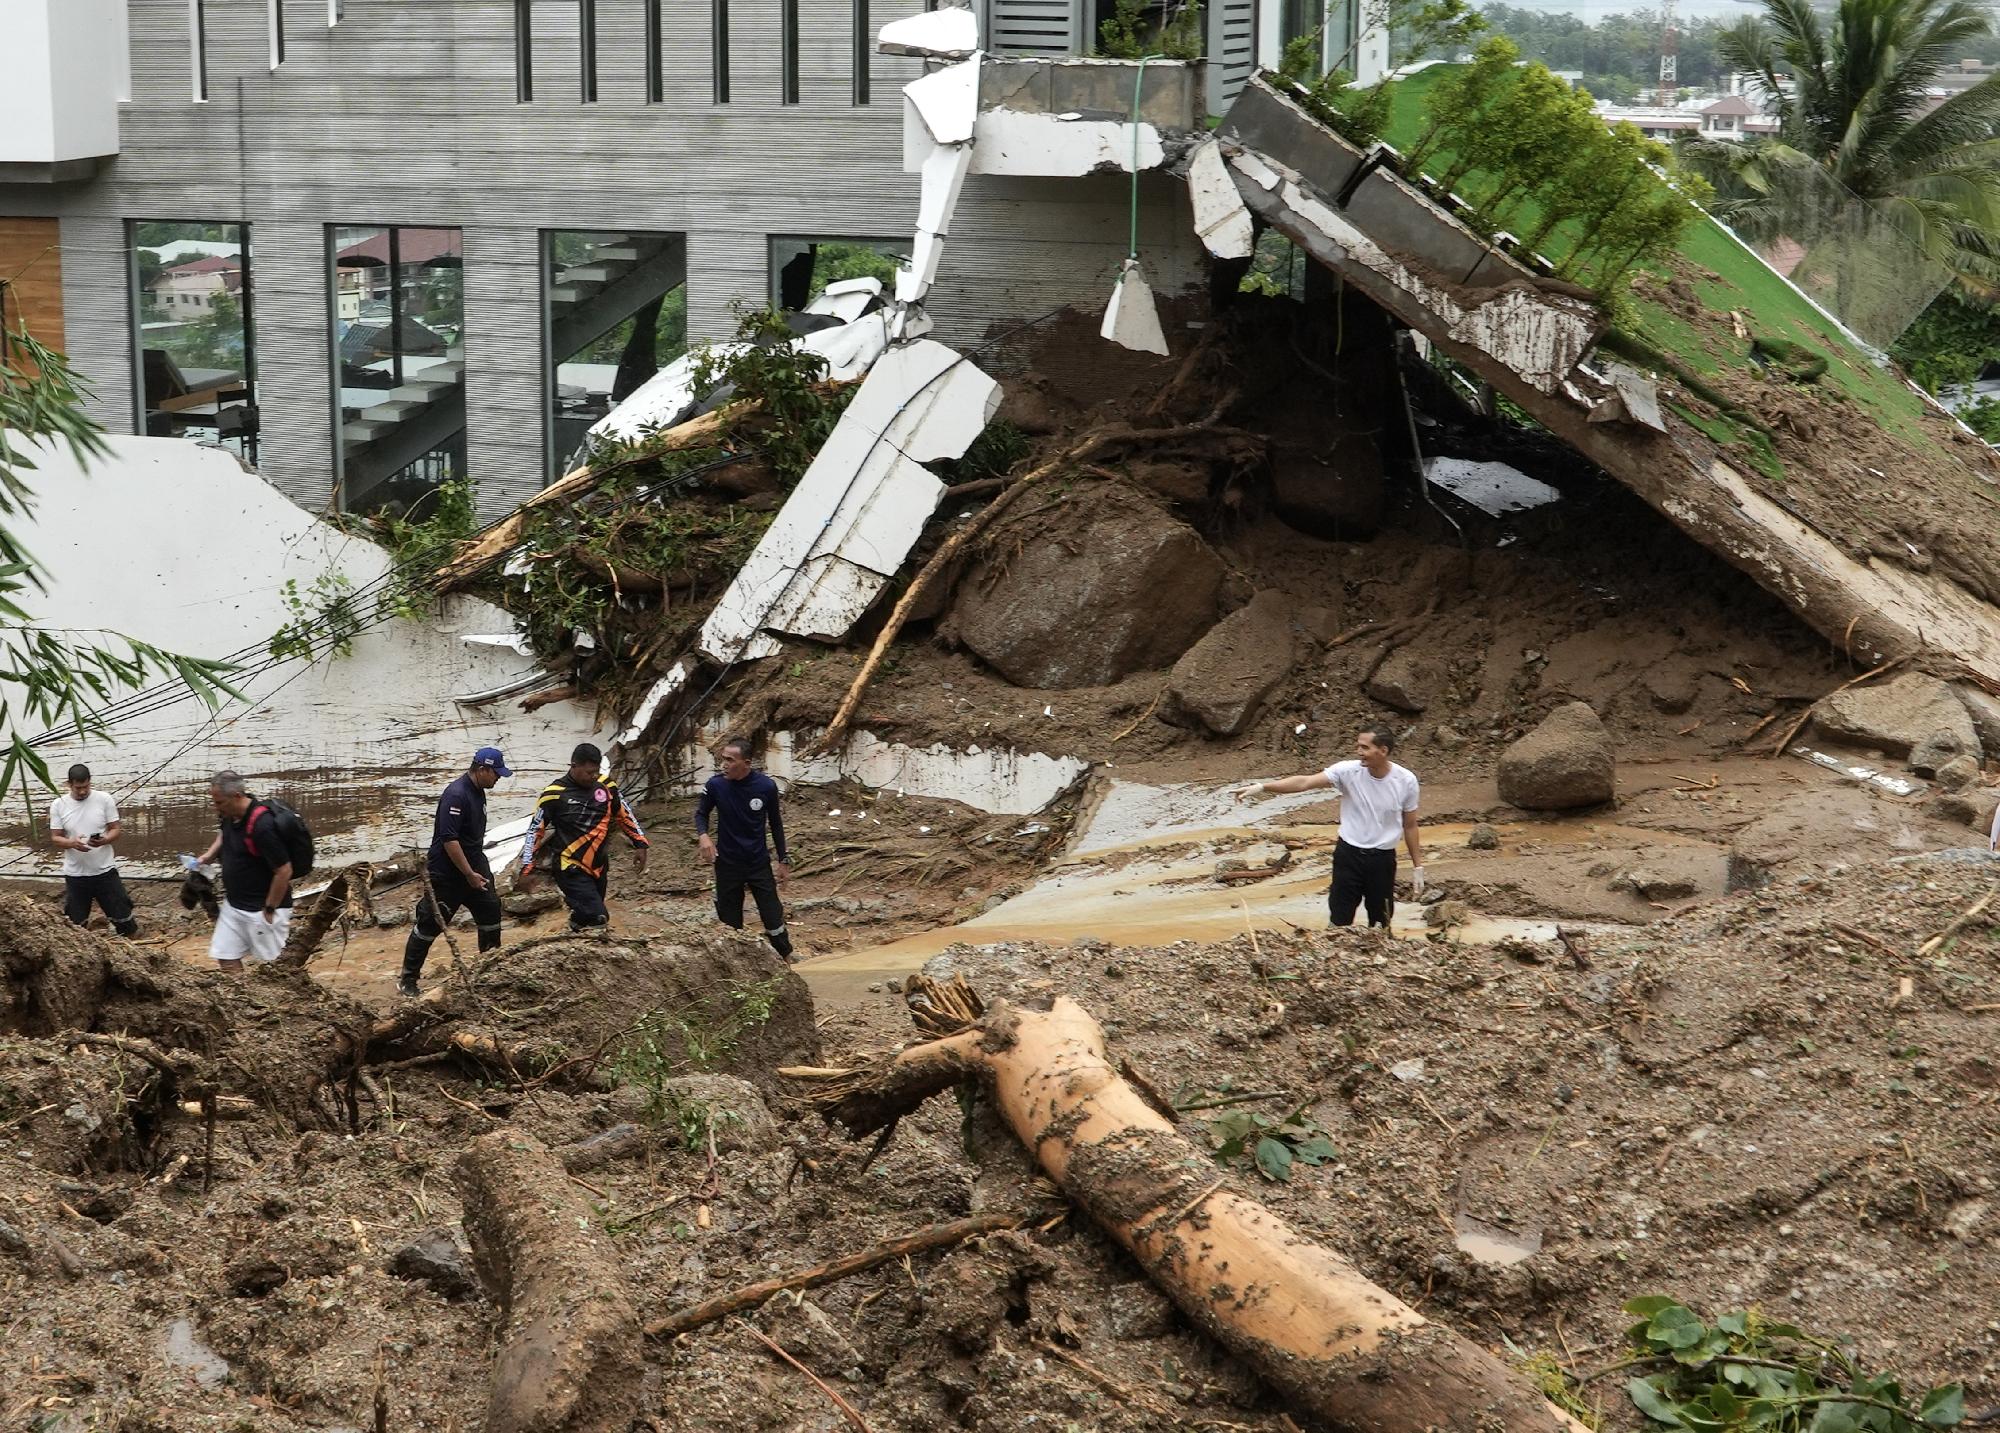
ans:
x=246 y=935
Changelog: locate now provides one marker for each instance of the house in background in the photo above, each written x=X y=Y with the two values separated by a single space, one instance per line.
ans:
x=190 y=289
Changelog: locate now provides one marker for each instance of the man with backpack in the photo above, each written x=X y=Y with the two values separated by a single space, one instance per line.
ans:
x=263 y=846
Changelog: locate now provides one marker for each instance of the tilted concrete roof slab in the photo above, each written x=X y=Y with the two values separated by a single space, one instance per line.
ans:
x=1528 y=335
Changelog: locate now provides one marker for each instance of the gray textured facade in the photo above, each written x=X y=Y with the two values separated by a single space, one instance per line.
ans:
x=405 y=113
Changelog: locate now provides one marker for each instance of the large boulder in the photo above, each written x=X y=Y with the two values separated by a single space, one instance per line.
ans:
x=1899 y=716
x=1087 y=591
x=1985 y=713
x=1220 y=681
x=1408 y=681
x=1340 y=496
x=1565 y=762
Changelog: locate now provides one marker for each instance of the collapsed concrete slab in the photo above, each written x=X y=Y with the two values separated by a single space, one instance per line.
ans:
x=1883 y=576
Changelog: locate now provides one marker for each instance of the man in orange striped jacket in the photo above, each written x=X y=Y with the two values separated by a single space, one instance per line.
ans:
x=571 y=833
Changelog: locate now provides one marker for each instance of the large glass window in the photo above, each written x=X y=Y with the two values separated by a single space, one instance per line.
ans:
x=802 y=266
x=195 y=357
x=399 y=363
x=617 y=314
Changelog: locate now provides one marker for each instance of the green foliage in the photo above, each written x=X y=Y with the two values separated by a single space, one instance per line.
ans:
x=56 y=677
x=836 y=260
x=1982 y=416
x=1300 y=62
x=1135 y=31
x=666 y=1044
x=1532 y=157
x=1276 y=1145
x=1745 y=1371
x=1850 y=90
x=1951 y=341
x=993 y=454
x=798 y=411
x=420 y=539
x=325 y=612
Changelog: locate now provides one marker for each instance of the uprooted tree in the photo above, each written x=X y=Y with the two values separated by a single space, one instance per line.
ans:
x=1342 y=1348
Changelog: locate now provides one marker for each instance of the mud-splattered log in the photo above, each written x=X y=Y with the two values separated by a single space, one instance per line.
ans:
x=1343 y=1349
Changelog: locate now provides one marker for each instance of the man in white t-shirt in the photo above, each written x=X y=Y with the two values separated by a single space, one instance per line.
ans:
x=1378 y=807
x=83 y=825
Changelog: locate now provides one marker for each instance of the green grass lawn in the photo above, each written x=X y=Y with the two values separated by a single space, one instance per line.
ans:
x=1740 y=281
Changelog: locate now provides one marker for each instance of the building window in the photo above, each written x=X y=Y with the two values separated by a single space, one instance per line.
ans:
x=194 y=342
x=274 y=22
x=656 y=78
x=524 y=51
x=788 y=51
x=586 y=50
x=616 y=308
x=718 y=40
x=803 y=265
x=398 y=297
x=198 y=45
x=863 y=45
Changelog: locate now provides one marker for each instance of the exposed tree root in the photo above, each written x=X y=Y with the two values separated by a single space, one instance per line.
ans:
x=1342 y=1348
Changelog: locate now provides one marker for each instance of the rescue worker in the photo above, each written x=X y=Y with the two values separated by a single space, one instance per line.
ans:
x=456 y=868
x=571 y=832
x=743 y=800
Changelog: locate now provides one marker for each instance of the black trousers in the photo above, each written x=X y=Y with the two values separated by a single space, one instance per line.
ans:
x=731 y=880
x=1361 y=877
x=453 y=891
x=584 y=894
x=108 y=892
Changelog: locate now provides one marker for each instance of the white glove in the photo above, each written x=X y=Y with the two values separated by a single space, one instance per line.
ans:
x=1255 y=788
x=1417 y=880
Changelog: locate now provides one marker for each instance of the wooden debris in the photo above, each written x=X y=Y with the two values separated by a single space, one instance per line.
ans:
x=937 y=1236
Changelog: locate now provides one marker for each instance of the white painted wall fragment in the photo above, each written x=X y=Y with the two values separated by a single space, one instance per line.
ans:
x=1221 y=217
x=942 y=179
x=649 y=707
x=1131 y=319
x=947 y=101
x=1017 y=142
x=860 y=507
x=943 y=34
x=1494 y=488
x=1005 y=782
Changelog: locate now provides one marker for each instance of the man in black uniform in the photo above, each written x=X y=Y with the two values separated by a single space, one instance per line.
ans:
x=456 y=868
x=743 y=802
x=571 y=832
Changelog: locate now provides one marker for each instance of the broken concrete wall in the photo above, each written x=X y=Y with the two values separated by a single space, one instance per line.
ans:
x=1529 y=338
x=174 y=543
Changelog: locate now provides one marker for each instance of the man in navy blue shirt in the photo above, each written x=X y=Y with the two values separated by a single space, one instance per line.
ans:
x=744 y=802
x=456 y=869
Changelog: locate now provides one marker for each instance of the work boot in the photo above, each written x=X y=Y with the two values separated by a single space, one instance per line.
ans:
x=406 y=986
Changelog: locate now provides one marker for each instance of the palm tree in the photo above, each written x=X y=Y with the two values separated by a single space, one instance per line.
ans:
x=1853 y=103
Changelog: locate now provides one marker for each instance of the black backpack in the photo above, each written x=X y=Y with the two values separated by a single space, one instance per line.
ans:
x=292 y=830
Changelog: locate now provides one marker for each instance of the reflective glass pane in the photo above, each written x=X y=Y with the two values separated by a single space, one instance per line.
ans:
x=195 y=358
x=617 y=314
x=399 y=356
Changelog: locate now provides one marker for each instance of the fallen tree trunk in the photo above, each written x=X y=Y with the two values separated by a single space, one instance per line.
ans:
x=498 y=540
x=1342 y=1348
x=572 y=1357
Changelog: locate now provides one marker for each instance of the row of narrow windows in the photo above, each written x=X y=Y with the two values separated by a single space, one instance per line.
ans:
x=613 y=313
x=720 y=66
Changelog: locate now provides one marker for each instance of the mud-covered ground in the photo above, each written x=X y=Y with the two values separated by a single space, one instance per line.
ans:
x=1768 y=1099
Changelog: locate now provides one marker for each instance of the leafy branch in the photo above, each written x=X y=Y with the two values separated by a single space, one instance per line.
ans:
x=1747 y=1372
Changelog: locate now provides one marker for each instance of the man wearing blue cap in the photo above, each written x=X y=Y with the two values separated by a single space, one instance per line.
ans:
x=456 y=868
